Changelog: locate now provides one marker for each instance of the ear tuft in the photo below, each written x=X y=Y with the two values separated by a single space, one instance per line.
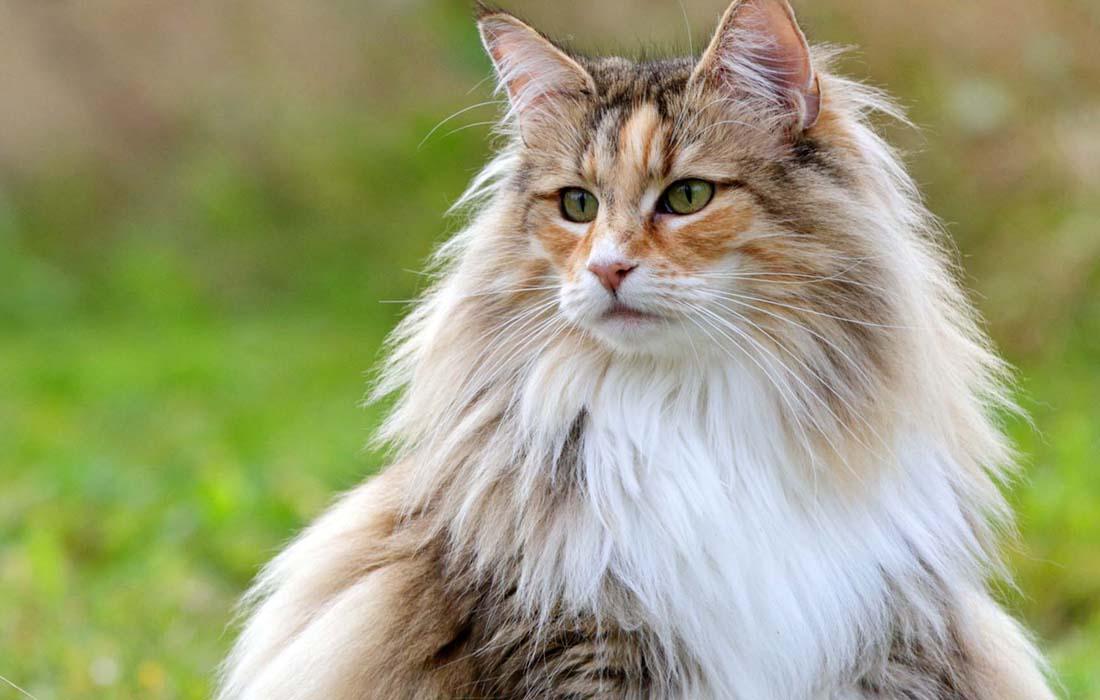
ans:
x=760 y=52
x=483 y=10
x=533 y=71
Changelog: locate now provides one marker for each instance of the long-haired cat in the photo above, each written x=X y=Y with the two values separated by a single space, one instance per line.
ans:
x=695 y=409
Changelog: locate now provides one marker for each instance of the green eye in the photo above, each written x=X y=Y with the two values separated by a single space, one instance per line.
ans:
x=579 y=205
x=686 y=196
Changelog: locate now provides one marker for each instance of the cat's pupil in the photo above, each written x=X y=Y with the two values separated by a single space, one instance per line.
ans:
x=578 y=205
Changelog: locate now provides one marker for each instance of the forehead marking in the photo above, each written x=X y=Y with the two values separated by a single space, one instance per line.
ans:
x=636 y=137
x=590 y=171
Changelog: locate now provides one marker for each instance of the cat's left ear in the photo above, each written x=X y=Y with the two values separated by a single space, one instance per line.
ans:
x=535 y=73
x=760 y=52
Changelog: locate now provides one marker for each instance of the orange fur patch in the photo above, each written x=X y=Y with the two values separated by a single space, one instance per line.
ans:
x=699 y=243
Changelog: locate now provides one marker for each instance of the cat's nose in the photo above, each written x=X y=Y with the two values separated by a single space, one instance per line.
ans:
x=611 y=275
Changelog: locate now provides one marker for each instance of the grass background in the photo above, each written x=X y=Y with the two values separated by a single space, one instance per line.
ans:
x=202 y=205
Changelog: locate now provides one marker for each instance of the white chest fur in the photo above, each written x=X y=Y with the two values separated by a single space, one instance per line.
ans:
x=767 y=572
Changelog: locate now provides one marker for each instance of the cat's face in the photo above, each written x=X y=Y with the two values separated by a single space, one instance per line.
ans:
x=644 y=211
x=683 y=206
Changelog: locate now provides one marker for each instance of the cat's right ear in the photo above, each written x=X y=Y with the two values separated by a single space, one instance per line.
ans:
x=536 y=74
x=760 y=52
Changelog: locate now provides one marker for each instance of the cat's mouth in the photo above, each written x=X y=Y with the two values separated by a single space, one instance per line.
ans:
x=621 y=312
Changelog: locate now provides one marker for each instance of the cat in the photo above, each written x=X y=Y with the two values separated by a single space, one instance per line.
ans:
x=694 y=409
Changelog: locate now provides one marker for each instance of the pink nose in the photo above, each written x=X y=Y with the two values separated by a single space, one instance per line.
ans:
x=611 y=275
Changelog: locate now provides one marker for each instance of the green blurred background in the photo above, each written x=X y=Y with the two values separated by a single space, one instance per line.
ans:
x=204 y=203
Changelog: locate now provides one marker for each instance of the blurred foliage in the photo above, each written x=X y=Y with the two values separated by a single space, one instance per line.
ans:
x=202 y=205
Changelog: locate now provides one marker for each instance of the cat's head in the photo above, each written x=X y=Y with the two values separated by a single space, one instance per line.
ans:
x=687 y=204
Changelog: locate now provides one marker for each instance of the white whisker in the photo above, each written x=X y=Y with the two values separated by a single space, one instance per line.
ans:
x=819 y=429
x=454 y=116
x=780 y=387
x=814 y=312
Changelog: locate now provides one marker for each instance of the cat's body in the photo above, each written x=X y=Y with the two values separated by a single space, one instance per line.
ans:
x=662 y=450
x=373 y=604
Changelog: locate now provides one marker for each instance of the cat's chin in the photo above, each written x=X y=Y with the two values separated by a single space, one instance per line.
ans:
x=629 y=316
x=633 y=331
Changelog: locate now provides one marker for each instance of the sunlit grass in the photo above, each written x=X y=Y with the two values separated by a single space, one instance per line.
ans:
x=156 y=468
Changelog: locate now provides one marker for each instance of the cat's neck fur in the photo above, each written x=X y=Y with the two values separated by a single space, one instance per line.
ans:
x=681 y=483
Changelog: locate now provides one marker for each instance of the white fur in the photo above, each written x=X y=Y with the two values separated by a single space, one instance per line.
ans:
x=695 y=502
